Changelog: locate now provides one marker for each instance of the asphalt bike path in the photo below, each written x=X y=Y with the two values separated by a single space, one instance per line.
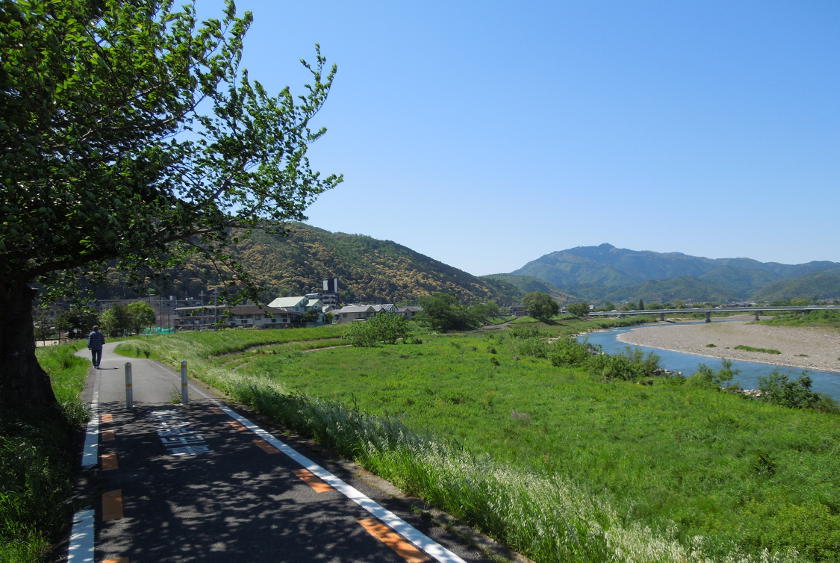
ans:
x=200 y=482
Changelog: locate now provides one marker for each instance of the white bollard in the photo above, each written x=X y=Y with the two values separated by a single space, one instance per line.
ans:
x=185 y=396
x=129 y=391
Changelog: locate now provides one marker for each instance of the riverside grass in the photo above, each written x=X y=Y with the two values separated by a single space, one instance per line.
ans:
x=553 y=461
x=38 y=461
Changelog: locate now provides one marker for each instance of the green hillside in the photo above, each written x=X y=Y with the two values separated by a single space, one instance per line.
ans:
x=526 y=284
x=605 y=272
x=368 y=269
x=821 y=285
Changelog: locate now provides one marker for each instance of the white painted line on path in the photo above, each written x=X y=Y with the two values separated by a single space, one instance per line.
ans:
x=399 y=525
x=81 y=537
x=90 y=452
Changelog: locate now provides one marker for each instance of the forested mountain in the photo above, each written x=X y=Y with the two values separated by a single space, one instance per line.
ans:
x=368 y=270
x=605 y=272
x=820 y=285
x=527 y=284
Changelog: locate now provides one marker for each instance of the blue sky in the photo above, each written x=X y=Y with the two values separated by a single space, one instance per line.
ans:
x=486 y=134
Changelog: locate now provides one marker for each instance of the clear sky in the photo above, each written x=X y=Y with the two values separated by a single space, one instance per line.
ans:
x=486 y=134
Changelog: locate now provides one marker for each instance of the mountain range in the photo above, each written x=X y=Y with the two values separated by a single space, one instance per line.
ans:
x=607 y=273
x=372 y=270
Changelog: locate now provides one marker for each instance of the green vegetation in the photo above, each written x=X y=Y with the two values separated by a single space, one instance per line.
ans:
x=116 y=86
x=779 y=389
x=707 y=377
x=287 y=265
x=578 y=309
x=540 y=306
x=825 y=318
x=746 y=348
x=38 y=459
x=385 y=328
x=443 y=312
x=561 y=454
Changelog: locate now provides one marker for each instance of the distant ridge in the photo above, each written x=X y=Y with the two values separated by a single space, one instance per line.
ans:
x=368 y=270
x=605 y=272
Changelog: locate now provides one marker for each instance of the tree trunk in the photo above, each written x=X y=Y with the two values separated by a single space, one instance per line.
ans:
x=23 y=384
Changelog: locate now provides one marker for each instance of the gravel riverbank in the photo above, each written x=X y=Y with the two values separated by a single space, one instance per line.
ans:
x=805 y=347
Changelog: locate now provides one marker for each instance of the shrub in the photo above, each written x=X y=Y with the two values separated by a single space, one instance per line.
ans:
x=779 y=389
x=385 y=327
x=707 y=377
x=630 y=366
x=568 y=352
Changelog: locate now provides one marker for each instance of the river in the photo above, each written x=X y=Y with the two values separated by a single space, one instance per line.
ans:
x=827 y=382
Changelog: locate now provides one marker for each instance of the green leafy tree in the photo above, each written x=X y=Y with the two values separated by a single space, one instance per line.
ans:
x=116 y=321
x=78 y=321
x=141 y=315
x=540 y=305
x=385 y=328
x=443 y=313
x=483 y=312
x=131 y=134
x=578 y=309
x=641 y=304
x=779 y=389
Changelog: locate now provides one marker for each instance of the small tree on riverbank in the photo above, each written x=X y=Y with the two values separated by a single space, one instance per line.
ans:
x=386 y=328
x=579 y=310
x=540 y=305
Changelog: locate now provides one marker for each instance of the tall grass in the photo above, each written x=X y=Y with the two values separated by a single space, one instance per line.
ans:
x=559 y=461
x=547 y=517
x=38 y=461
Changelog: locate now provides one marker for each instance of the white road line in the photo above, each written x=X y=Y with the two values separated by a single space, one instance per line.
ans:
x=81 y=537
x=399 y=525
x=90 y=452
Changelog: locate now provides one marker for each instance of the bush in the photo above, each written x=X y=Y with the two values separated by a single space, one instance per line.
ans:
x=383 y=328
x=707 y=377
x=568 y=352
x=779 y=389
x=631 y=366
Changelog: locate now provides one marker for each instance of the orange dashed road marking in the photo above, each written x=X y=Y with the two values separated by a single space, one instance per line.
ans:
x=393 y=540
x=266 y=447
x=310 y=479
x=107 y=418
x=108 y=436
x=235 y=425
x=216 y=410
x=108 y=461
x=116 y=560
x=112 y=505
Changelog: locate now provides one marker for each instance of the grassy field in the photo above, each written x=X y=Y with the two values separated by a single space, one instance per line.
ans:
x=38 y=460
x=808 y=318
x=557 y=462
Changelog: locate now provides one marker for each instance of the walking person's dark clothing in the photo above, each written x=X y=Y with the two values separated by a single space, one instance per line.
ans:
x=95 y=342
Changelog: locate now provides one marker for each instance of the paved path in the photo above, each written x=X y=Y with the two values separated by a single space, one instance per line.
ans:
x=202 y=483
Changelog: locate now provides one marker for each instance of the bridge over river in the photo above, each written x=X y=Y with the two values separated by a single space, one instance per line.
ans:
x=708 y=311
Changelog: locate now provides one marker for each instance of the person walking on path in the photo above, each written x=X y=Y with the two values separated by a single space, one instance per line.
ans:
x=95 y=342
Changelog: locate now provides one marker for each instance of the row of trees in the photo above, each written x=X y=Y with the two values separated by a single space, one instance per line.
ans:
x=78 y=321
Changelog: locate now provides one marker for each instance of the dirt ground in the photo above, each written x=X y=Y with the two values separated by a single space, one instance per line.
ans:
x=805 y=347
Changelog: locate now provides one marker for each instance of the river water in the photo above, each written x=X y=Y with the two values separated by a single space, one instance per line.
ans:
x=827 y=382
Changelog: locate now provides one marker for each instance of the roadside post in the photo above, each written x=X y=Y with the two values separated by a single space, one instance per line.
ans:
x=129 y=392
x=185 y=396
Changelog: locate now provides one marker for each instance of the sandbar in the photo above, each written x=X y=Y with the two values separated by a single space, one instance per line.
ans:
x=804 y=347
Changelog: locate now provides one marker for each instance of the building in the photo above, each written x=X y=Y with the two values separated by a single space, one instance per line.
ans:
x=350 y=313
x=208 y=317
x=385 y=308
x=298 y=304
x=409 y=311
x=329 y=295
